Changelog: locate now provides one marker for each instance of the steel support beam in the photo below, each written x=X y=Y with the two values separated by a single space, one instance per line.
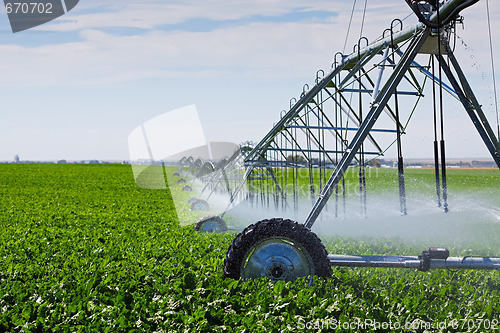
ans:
x=415 y=262
x=472 y=107
x=302 y=103
x=380 y=103
x=344 y=128
x=353 y=58
x=477 y=107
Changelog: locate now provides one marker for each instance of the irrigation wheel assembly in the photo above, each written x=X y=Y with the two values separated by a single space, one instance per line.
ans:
x=278 y=249
x=327 y=131
x=351 y=116
x=210 y=223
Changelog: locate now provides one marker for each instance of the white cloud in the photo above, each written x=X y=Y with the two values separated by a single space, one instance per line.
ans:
x=253 y=49
x=103 y=57
x=108 y=50
x=151 y=14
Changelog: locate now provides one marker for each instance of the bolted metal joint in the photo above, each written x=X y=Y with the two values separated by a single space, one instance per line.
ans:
x=432 y=253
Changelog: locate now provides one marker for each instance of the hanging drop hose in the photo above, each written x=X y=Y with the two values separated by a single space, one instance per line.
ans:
x=441 y=107
x=401 y=174
x=362 y=167
x=415 y=6
x=436 y=147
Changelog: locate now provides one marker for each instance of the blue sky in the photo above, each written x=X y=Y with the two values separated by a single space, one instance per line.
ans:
x=76 y=87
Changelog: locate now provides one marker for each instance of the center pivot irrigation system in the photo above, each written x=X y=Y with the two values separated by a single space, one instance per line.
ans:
x=333 y=126
x=351 y=116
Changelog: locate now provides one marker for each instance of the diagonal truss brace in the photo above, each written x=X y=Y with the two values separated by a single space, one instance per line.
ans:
x=377 y=107
x=363 y=55
x=472 y=106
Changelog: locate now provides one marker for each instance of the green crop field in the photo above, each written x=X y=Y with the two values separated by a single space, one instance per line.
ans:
x=84 y=249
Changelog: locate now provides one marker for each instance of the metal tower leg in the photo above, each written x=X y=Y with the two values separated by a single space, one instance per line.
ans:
x=472 y=106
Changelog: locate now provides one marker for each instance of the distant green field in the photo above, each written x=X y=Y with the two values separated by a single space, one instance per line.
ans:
x=86 y=250
x=417 y=180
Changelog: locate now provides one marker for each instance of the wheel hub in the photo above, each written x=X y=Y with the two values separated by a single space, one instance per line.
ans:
x=210 y=226
x=277 y=259
x=278 y=268
x=199 y=205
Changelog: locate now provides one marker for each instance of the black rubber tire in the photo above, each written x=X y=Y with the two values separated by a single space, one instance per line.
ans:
x=187 y=188
x=241 y=246
x=181 y=181
x=176 y=174
x=199 y=205
x=219 y=222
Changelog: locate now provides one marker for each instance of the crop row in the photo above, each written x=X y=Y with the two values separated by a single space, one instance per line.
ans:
x=85 y=250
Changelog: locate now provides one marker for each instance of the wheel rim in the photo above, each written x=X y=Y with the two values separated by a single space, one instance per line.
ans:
x=277 y=259
x=199 y=205
x=210 y=226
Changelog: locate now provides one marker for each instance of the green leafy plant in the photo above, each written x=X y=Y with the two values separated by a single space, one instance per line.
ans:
x=83 y=249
